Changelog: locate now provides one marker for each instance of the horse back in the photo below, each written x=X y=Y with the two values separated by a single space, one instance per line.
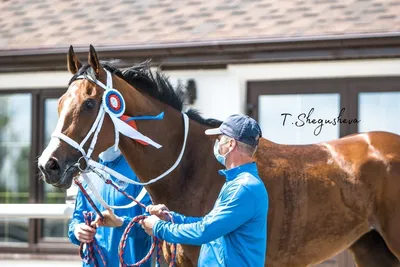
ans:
x=324 y=191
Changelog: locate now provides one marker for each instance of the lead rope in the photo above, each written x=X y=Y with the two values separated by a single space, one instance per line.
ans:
x=89 y=256
x=156 y=242
x=94 y=246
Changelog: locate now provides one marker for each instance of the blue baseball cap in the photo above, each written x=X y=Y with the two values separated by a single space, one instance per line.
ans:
x=239 y=127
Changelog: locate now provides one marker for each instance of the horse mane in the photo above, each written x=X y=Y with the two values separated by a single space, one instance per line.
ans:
x=156 y=85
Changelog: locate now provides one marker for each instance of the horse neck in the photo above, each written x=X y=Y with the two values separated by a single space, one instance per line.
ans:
x=191 y=185
x=177 y=188
x=148 y=162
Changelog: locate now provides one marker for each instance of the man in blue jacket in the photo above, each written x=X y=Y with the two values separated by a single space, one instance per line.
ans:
x=108 y=238
x=234 y=232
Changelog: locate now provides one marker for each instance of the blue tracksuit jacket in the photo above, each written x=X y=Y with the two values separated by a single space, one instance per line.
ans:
x=108 y=238
x=234 y=233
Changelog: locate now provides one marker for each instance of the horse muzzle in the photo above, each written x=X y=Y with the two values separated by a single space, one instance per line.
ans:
x=55 y=168
x=57 y=174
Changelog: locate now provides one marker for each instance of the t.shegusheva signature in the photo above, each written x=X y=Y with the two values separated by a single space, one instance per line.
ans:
x=303 y=119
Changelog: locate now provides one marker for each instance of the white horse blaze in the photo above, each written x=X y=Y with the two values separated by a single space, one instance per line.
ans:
x=55 y=142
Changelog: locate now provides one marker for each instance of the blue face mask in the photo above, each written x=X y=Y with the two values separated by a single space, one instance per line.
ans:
x=221 y=158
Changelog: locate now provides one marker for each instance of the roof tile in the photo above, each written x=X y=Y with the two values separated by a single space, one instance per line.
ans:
x=37 y=23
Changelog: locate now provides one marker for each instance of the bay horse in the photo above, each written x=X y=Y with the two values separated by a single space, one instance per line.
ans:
x=324 y=198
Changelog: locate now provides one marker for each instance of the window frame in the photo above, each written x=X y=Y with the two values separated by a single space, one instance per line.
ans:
x=303 y=86
x=348 y=88
x=36 y=243
x=44 y=95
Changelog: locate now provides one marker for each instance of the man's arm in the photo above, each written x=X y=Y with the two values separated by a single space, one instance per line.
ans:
x=161 y=211
x=77 y=217
x=180 y=218
x=235 y=208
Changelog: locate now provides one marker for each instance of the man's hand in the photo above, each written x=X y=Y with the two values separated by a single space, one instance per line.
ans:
x=110 y=220
x=161 y=211
x=84 y=233
x=148 y=224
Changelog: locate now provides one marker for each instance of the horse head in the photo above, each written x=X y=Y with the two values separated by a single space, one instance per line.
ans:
x=78 y=109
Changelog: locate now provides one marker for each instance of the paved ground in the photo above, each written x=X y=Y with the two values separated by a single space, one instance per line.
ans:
x=43 y=263
x=37 y=263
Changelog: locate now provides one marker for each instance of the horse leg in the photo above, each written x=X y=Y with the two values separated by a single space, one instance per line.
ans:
x=183 y=255
x=391 y=232
x=371 y=251
x=388 y=210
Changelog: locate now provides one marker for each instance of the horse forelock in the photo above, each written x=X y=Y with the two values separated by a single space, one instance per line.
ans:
x=82 y=71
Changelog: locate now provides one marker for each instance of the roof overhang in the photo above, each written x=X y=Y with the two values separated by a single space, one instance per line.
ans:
x=214 y=54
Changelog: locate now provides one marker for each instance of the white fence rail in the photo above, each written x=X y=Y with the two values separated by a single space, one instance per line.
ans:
x=36 y=211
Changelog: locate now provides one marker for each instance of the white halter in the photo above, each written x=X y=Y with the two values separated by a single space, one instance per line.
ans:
x=120 y=127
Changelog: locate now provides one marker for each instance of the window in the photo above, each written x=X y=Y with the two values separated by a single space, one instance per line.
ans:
x=52 y=228
x=27 y=118
x=15 y=148
x=284 y=118
x=290 y=112
x=379 y=111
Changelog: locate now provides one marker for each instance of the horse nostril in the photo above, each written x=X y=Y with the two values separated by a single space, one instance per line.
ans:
x=52 y=166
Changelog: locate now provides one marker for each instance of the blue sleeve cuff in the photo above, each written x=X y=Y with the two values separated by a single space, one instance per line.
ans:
x=157 y=228
x=71 y=233
x=175 y=217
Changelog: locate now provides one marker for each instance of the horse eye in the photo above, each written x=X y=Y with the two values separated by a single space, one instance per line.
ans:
x=89 y=104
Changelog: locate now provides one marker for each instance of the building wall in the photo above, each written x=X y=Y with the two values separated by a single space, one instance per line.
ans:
x=223 y=92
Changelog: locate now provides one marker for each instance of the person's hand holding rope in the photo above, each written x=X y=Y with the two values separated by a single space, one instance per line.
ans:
x=148 y=224
x=84 y=233
x=157 y=212
x=161 y=211
x=110 y=219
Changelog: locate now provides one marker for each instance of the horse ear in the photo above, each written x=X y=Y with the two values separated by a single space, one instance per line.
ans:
x=72 y=61
x=94 y=61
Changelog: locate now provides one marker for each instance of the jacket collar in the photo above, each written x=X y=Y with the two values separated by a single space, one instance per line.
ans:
x=233 y=173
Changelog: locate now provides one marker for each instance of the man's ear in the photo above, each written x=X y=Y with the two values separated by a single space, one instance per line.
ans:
x=232 y=143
